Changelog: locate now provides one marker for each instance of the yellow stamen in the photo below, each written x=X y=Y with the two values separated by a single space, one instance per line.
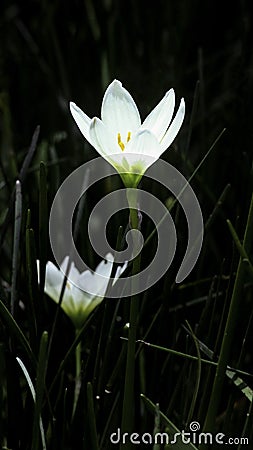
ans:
x=120 y=143
x=122 y=146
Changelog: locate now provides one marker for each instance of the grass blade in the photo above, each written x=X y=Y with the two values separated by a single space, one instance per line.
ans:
x=16 y=246
x=91 y=417
x=40 y=387
x=43 y=226
x=170 y=425
x=17 y=332
x=229 y=329
x=31 y=387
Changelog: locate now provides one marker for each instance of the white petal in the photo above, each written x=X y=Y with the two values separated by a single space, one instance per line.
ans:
x=38 y=270
x=119 y=111
x=104 y=142
x=174 y=127
x=104 y=268
x=81 y=299
x=53 y=281
x=92 y=284
x=103 y=273
x=119 y=271
x=159 y=118
x=143 y=143
x=53 y=274
x=81 y=119
x=86 y=282
x=73 y=274
x=141 y=152
x=109 y=257
x=96 y=283
x=69 y=303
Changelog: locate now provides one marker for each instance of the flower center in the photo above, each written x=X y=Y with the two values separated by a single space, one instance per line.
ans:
x=120 y=143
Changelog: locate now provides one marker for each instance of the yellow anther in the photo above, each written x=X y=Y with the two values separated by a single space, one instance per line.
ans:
x=122 y=146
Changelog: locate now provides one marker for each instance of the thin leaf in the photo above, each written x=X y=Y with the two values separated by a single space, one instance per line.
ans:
x=40 y=387
x=229 y=328
x=32 y=279
x=238 y=382
x=170 y=425
x=30 y=153
x=240 y=247
x=21 y=177
x=91 y=417
x=17 y=332
x=43 y=225
x=31 y=387
x=196 y=390
x=186 y=355
x=16 y=246
x=157 y=427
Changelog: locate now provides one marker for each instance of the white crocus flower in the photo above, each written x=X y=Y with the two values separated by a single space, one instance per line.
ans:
x=79 y=302
x=120 y=137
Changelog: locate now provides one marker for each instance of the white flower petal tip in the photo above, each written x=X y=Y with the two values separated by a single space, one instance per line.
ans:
x=170 y=96
x=181 y=108
x=119 y=131
x=119 y=271
x=72 y=106
x=109 y=257
x=115 y=84
x=75 y=110
x=170 y=92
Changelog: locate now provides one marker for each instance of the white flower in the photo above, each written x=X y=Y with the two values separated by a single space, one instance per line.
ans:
x=121 y=138
x=78 y=302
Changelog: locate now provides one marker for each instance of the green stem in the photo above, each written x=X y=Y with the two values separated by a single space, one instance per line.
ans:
x=92 y=417
x=229 y=330
x=128 y=400
x=16 y=246
x=77 y=376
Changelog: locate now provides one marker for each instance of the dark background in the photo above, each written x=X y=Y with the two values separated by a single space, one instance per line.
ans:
x=53 y=52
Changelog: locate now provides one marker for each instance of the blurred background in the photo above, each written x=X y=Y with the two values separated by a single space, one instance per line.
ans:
x=54 y=52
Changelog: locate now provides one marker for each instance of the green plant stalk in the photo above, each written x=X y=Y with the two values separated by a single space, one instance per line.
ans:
x=172 y=429
x=16 y=246
x=91 y=417
x=77 y=376
x=32 y=282
x=128 y=399
x=240 y=247
x=16 y=332
x=229 y=330
x=40 y=388
x=31 y=387
x=186 y=356
x=198 y=377
x=43 y=225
